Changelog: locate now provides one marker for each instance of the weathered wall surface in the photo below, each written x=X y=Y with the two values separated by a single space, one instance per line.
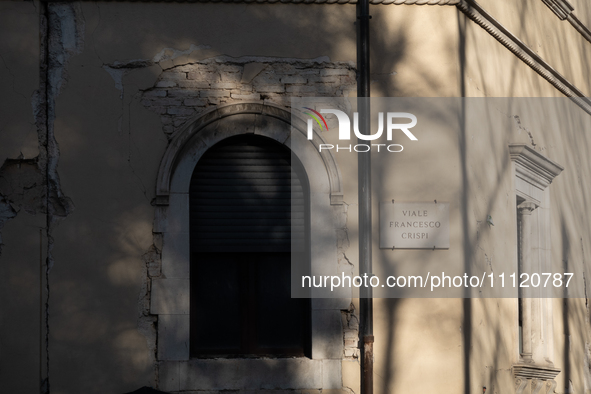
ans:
x=122 y=77
x=19 y=239
x=560 y=133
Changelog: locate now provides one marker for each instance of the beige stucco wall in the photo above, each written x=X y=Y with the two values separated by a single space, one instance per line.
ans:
x=418 y=337
x=111 y=145
x=492 y=71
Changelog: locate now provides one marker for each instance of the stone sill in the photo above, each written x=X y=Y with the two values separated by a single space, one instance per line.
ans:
x=533 y=371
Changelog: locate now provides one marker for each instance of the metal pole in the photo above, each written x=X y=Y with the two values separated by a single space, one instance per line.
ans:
x=364 y=193
x=40 y=308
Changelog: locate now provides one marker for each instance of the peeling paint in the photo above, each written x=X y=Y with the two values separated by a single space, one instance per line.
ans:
x=349 y=316
x=350 y=322
x=140 y=63
x=33 y=185
x=62 y=36
x=188 y=86
x=117 y=74
x=520 y=127
x=66 y=38
x=147 y=323
x=6 y=213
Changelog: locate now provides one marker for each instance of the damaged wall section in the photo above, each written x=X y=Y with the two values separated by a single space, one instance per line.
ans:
x=32 y=185
x=179 y=95
x=183 y=91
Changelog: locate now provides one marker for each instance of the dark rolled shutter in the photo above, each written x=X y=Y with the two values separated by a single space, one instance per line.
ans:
x=241 y=198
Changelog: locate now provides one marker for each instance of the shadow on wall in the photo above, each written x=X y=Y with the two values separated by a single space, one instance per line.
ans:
x=110 y=148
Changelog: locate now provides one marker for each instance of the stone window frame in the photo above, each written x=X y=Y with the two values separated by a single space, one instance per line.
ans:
x=533 y=173
x=170 y=292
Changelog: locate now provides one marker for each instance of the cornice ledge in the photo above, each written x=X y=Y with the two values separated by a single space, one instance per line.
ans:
x=408 y=2
x=579 y=26
x=533 y=371
x=565 y=11
x=531 y=164
x=561 y=8
x=384 y=2
x=482 y=18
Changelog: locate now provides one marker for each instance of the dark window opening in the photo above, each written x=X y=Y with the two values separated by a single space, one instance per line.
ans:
x=242 y=223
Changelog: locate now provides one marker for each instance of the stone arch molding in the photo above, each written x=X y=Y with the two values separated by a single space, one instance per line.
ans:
x=169 y=297
x=190 y=142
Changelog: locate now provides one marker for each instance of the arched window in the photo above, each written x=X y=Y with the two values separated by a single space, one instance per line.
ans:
x=183 y=366
x=241 y=229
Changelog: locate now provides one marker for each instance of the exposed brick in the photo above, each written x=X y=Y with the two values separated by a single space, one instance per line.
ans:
x=309 y=71
x=266 y=77
x=334 y=71
x=301 y=89
x=185 y=68
x=165 y=84
x=204 y=76
x=193 y=75
x=278 y=100
x=347 y=80
x=282 y=68
x=214 y=93
x=231 y=77
x=323 y=89
x=223 y=85
x=210 y=76
x=180 y=111
x=318 y=79
x=173 y=75
x=271 y=88
x=194 y=84
x=294 y=79
x=159 y=110
x=230 y=68
x=181 y=93
x=153 y=269
x=252 y=96
x=155 y=93
x=169 y=101
x=195 y=102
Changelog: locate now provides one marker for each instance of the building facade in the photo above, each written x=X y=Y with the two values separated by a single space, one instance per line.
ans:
x=129 y=130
